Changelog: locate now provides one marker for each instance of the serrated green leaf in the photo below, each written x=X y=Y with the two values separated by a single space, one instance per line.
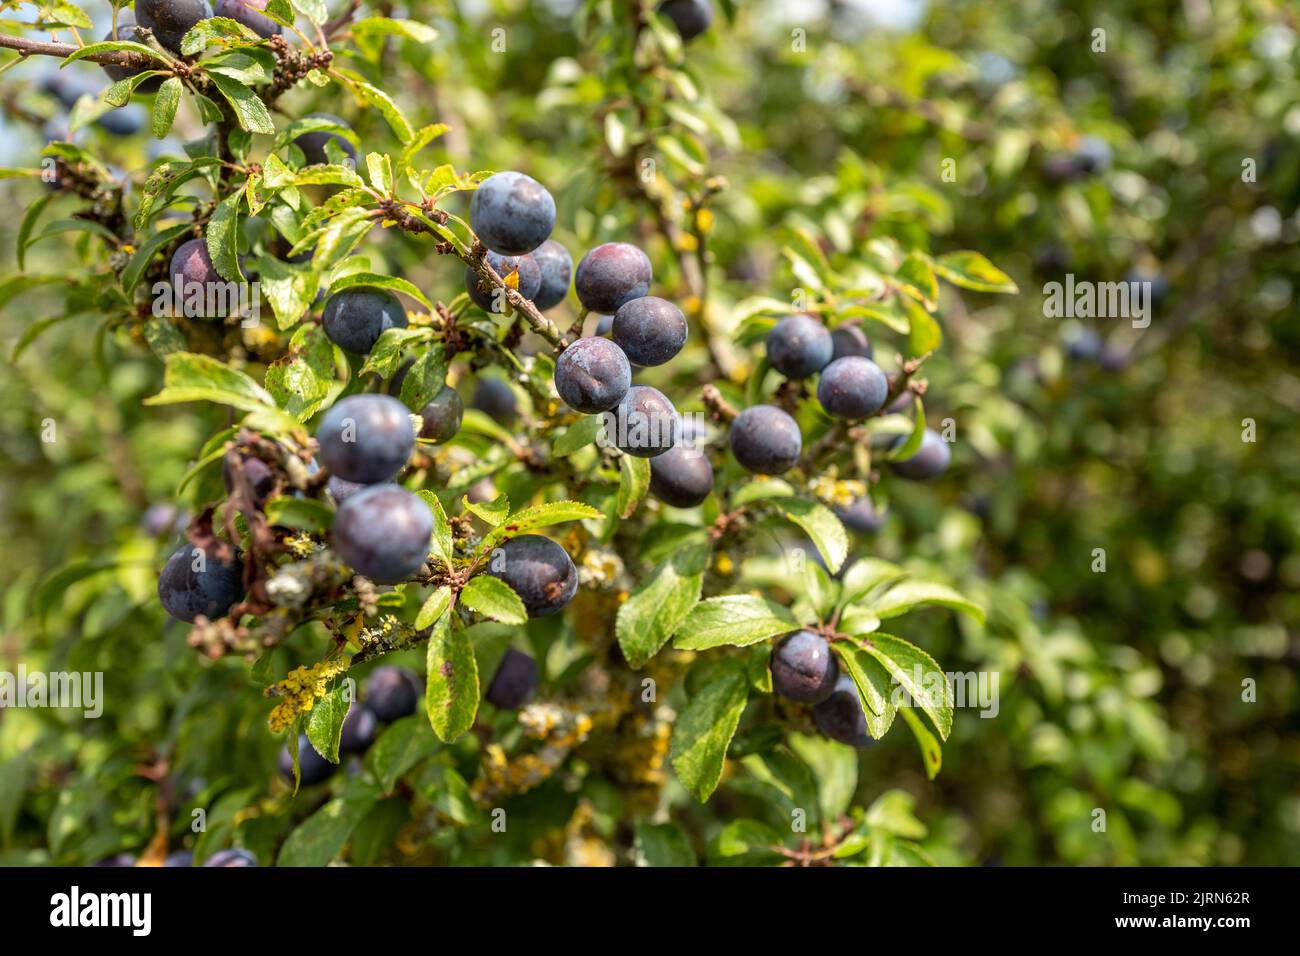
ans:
x=735 y=619
x=222 y=237
x=425 y=378
x=325 y=722
x=250 y=111
x=633 y=483
x=540 y=516
x=578 y=435
x=874 y=686
x=404 y=744
x=908 y=595
x=493 y=598
x=441 y=543
x=434 y=607
x=386 y=355
x=189 y=377
x=918 y=675
x=451 y=688
x=391 y=283
x=301 y=379
x=821 y=525
x=971 y=270
x=660 y=603
x=703 y=730
x=931 y=749
x=164 y=107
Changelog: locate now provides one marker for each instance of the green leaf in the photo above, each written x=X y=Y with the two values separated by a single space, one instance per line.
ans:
x=217 y=30
x=578 y=435
x=662 y=844
x=386 y=26
x=404 y=744
x=735 y=619
x=835 y=768
x=307 y=514
x=660 y=603
x=704 y=729
x=250 y=111
x=451 y=690
x=919 y=278
x=300 y=380
x=327 y=175
x=924 y=334
x=425 y=378
x=135 y=269
x=916 y=673
x=222 y=237
x=442 y=543
x=313 y=10
x=971 y=270
x=386 y=356
x=866 y=574
x=111 y=46
x=909 y=595
x=492 y=512
x=377 y=281
x=821 y=525
x=164 y=107
x=931 y=749
x=540 y=516
x=325 y=723
x=28 y=224
x=745 y=843
x=320 y=838
x=371 y=96
x=633 y=483
x=434 y=607
x=289 y=288
x=874 y=686
x=189 y=377
x=493 y=598
x=823 y=592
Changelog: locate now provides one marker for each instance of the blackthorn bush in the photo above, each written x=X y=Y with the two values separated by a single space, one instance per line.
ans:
x=170 y=20
x=196 y=581
x=766 y=440
x=442 y=416
x=366 y=438
x=610 y=276
x=512 y=213
x=682 y=476
x=514 y=682
x=799 y=346
x=841 y=717
x=556 y=267
x=650 y=330
x=383 y=533
x=592 y=375
x=355 y=317
x=930 y=461
x=538 y=570
x=803 y=668
x=852 y=387
x=392 y=693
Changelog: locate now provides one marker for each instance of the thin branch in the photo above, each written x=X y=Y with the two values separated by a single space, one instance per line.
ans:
x=27 y=47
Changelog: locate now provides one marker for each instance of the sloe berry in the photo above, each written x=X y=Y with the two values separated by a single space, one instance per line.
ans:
x=366 y=438
x=690 y=17
x=383 y=533
x=195 y=581
x=841 y=717
x=180 y=858
x=360 y=728
x=538 y=570
x=313 y=144
x=803 y=668
x=930 y=461
x=681 y=476
x=170 y=20
x=258 y=474
x=442 y=416
x=556 y=266
x=605 y=325
x=850 y=340
x=650 y=330
x=512 y=213
x=799 y=346
x=192 y=265
x=312 y=767
x=766 y=440
x=611 y=275
x=122 y=121
x=355 y=317
x=249 y=13
x=341 y=489
x=861 y=516
x=496 y=399
x=592 y=375
x=488 y=297
x=392 y=693
x=852 y=387
x=514 y=681
x=233 y=857
x=644 y=423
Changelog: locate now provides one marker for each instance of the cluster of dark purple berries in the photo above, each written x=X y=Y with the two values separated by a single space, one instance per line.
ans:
x=805 y=670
